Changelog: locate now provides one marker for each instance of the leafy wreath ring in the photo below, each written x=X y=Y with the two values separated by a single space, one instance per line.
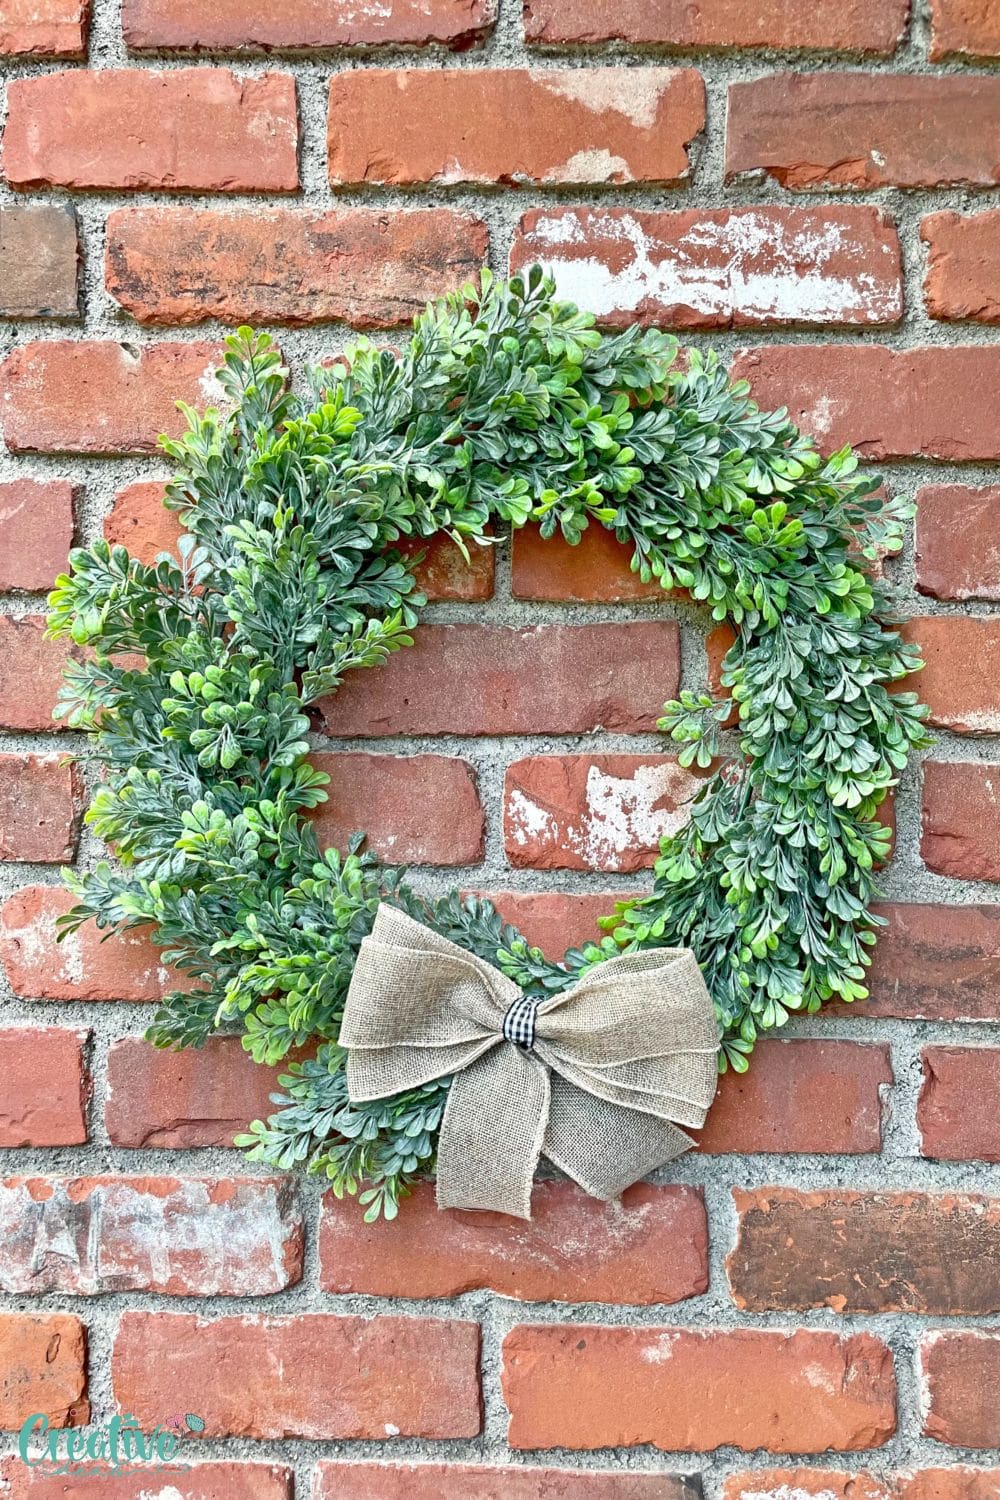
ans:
x=507 y=406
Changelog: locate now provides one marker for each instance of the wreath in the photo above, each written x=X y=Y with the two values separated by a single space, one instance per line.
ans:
x=506 y=406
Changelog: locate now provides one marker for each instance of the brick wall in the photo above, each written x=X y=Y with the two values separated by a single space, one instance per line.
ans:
x=810 y=1306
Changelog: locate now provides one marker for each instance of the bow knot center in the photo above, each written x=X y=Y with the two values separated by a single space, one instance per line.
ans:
x=519 y=1022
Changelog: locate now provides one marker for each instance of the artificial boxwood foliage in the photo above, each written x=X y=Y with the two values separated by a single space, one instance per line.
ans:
x=508 y=406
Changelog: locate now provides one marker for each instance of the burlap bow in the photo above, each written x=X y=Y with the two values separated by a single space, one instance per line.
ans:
x=617 y=1062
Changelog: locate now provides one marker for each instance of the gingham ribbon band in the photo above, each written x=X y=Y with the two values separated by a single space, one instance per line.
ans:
x=519 y=1022
x=596 y=1077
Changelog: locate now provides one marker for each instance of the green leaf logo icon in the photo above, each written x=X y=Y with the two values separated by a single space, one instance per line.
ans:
x=196 y=1424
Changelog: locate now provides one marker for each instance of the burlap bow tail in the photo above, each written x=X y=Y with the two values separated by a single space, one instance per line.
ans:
x=598 y=1076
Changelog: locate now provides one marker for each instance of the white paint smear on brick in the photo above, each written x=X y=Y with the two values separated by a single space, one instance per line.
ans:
x=767 y=270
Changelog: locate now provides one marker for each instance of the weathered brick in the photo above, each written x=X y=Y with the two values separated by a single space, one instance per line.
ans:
x=935 y=963
x=889 y=403
x=650 y=1246
x=179 y=1236
x=958 y=653
x=40 y=805
x=39 y=261
x=596 y=570
x=958 y=542
x=239 y=26
x=212 y=1481
x=513 y=125
x=964 y=28
x=82 y=967
x=102 y=397
x=958 y=1112
x=963 y=261
x=593 y=812
x=42 y=1369
x=44 y=28
x=556 y=920
x=415 y=809
x=494 y=679
x=199 y=1097
x=56 y=1114
x=723 y=268
x=824 y=25
x=801 y=1096
x=961 y=1375
x=36 y=532
x=285 y=265
x=31 y=670
x=423 y=1481
x=865 y=1252
x=315 y=1375
x=953 y=1483
x=960 y=833
x=792 y=1393
x=139 y=521
x=864 y=130
x=198 y=128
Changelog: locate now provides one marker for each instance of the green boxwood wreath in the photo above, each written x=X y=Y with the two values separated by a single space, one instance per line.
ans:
x=506 y=406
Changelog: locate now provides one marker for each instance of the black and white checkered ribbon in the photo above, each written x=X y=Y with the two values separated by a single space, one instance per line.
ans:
x=519 y=1022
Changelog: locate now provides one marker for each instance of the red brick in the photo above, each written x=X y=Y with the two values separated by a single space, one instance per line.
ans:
x=415 y=809
x=865 y=1252
x=44 y=28
x=964 y=28
x=864 y=130
x=961 y=1374
x=958 y=542
x=651 y=1246
x=727 y=268
x=694 y=1391
x=361 y=265
x=39 y=808
x=804 y=1096
x=87 y=965
x=824 y=25
x=422 y=1481
x=444 y=574
x=213 y=1481
x=36 y=532
x=199 y=1097
x=31 y=670
x=42 y=1369
x=56 y=1114
x=493 y=679
x=315 y=1375
x=139 y=521
x=935 y=963
x=961 y=657
x=199 y=128
x=101 y=397
x=960 y=829
x=958 y=1112
x=595 y=571
x=556 y=920
x=953 y=1483
x=178 y=1236
x=888 y=403
x=238 y=26
x=963 y=261
x=39 y=261
x=513 y=125
x=593 y=812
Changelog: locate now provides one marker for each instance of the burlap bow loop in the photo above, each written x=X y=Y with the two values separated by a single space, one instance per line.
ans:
x=618 y=1061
